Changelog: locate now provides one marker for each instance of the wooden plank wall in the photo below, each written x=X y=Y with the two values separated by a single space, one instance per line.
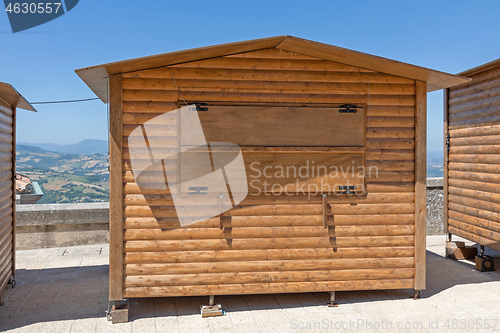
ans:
x=6 y=195
x=474 y=158
x=272 y=244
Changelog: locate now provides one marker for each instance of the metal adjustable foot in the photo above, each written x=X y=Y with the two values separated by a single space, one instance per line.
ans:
x=484 y=263
x=12 y=282
x=212 y=309
x=416 y=294
x=332 y=303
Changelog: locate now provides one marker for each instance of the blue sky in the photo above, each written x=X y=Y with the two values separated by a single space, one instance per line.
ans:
x=450 y=36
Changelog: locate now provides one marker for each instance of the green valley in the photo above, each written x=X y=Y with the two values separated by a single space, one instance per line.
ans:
x=65 y=178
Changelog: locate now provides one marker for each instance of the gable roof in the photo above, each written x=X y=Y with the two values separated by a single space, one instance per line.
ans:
x=95 y=77
x=12 y=97
x=481 y=68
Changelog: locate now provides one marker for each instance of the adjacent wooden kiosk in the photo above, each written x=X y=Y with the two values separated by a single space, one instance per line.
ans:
x=472 y=157
x=282 y=100
x=10 y=101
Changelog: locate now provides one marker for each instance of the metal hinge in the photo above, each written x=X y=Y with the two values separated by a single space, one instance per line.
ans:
x=200 y=108
x=347 y=189
x=447 y=142
x=348 y=108
x=198 y=190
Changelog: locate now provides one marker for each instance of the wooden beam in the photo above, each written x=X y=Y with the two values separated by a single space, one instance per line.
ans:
x=268 y=266
x=116 y=189
x=445 y=161
x=420 y=182
x=224 y=279
x=266 y=243
x=267 y=288
x=176 y=258
x=270 y=232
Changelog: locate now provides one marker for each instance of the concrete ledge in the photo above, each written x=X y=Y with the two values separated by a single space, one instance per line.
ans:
x=55 y=225
x=53 y=214
x=435 y=182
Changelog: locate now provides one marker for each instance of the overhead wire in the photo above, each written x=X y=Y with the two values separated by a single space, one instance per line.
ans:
x=68 y=101
x=179 y=89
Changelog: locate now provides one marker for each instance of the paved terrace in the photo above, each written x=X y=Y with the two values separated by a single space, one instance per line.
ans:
x=66 y=290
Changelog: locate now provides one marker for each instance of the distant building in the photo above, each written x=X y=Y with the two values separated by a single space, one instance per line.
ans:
x=27 y=191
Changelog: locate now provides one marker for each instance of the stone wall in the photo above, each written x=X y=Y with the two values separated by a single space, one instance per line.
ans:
x=57 y=225
x=435 y=211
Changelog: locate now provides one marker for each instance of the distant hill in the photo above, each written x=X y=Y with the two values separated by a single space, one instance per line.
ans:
x=85 y=147
x=30 y=149
x=65 y=178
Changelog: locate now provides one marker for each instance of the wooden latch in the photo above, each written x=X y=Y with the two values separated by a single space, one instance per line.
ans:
x=327 y=211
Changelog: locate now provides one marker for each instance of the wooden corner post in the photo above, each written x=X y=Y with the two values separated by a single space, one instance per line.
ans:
x=445 y=161
x=115 y=188
x=420 y=182
x=14 y=111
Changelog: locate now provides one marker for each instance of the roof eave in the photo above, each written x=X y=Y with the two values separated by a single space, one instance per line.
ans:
x=11 y=96
x=436 y=80
x=481 y=68
x=96 y=76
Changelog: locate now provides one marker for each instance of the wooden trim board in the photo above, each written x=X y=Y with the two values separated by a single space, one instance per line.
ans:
x=420 y=182
x=116 y=189
x=14 y=111
x=445 y=162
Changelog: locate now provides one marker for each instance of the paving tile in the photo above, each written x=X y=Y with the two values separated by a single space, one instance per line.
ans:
x=239 y=313
x=84 y=325
x=105 y=326
x=31 y=328
x=141 y=314
x=290 y=308
x=61 y=326
x=166 y=316
x=221 y=324
x=188 y=312
x=265 y=310
x=13 y=304
x=66 y=290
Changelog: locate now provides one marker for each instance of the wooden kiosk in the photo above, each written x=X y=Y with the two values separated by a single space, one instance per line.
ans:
x=283 y=101
x=472 y=157
x=10 y=101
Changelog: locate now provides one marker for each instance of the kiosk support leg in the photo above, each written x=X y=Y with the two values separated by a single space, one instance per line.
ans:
x=416 y=294
x=212 y=309
x=332 y=303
